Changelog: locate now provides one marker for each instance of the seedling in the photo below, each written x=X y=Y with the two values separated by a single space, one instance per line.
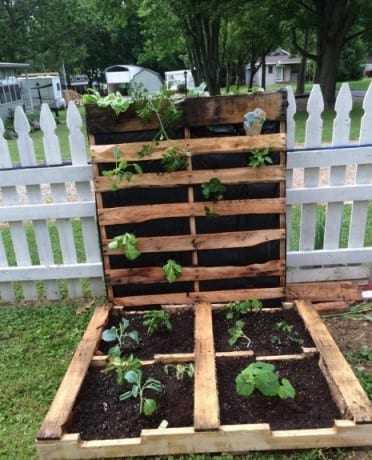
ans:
x=213 y=190
x=174 y=159
x=236 y=333
x=210 y=214
x=288 y=330
x=147 y=406
x=241 y=307
x=122 y=169
x=120 y=334
x=261 y=376
x=157 y=321
x=116 y=101
x=172 y=270
x=259 y=157
x=129 y=243
x=181 y=369
x=121 y=365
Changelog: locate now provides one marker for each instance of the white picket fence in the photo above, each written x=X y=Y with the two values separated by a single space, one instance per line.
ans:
x=56 y=194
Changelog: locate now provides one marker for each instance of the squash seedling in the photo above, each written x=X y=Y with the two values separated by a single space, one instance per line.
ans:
x=147 y=406
x=157 y=321
x=121 y=365
x=129 y=243
x=237 y=333
x=261 y=376
x=181 y=369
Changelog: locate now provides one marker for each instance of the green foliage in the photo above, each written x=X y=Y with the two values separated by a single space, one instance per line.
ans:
x=157 y=321
x=181 y=369
x=116 y=101
x=213 y=189
x=261 y=376
x=174 y=159
x=237 y=333
x=289 y=331
x=122 y=364
x=129 y=243
x=147 y=406
x=172 y=270
x=120 y=333
x=241 y=307
x=122 y=169
x=259 y=157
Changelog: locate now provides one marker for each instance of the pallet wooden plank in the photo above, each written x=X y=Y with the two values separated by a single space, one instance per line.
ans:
x=201 y=146
x=245 y=175
x=202 y=242
x=327 y=291
x=60 y=410
x=195 y=297
x=156 y=275
x=344 y=382
x=206 y=406
x=135 y=214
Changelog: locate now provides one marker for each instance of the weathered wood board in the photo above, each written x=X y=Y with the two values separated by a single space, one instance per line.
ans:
x=238 y=254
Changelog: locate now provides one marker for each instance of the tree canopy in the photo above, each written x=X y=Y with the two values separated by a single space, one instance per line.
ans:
x=215 y=39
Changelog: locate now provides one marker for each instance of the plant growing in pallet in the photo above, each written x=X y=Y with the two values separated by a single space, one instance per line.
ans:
x=129 y=243
x=288 y=330
x=237 y=333
x=181 y=369
x=121 y=365
x=259 y=157
x=147 y=406
x=261 y=376
x=119 y=334
x=241 y=307
x=157 y=321
x=213 y=189
x=172 y=270
x=122 y=169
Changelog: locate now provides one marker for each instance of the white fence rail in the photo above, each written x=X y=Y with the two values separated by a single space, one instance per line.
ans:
x=51 y=202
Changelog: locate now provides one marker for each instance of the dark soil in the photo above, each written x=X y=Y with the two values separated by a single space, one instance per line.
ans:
x=179 y=340
x=99 y=414
x=260 y=327
x=312 y=406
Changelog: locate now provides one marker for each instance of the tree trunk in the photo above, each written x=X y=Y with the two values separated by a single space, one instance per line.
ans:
x=300 y=89
x=263 y=73
x=328 y=73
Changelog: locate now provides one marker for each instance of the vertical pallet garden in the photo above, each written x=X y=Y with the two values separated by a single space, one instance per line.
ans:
x=197 y=243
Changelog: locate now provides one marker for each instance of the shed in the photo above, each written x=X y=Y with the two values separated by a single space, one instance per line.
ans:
x=119 y=76
x=11 y=94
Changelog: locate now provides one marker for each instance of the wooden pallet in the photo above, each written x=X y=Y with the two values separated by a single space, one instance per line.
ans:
x=239 y=255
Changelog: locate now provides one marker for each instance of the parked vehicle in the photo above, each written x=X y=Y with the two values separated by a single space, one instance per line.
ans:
x=43 y=88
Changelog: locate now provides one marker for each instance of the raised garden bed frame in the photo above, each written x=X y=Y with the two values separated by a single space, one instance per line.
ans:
x=268 y=281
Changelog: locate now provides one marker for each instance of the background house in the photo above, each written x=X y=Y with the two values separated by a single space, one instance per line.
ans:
x=10 y=89
x=119 y=76
x=280 y=67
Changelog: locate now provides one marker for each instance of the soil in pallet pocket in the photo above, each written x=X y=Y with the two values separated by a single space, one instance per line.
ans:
x=99 y=413
x=180 y=339
x=273 y=332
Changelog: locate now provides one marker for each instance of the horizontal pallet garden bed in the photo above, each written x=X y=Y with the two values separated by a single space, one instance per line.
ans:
x=169 y=244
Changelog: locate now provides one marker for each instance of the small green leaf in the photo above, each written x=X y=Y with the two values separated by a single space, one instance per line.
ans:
x=109 y=335
x=149 y=406
x=172 y=270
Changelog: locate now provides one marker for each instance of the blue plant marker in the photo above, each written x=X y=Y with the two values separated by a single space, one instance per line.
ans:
x=253 y=121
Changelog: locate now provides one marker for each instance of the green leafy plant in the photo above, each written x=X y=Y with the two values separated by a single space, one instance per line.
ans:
x=120 y=334
x=122 y=169
x=241 y=307
x=181 y=369
x=289 y=331
x=157 y=321
x=210 y=214
x=147 y=406
x=174 y=159
x=259 y=157
x=116 y=101
x=121 y=365
x=213 y=189
x=129 y=243
x=237 y=333
x=261 y=376
x=172 y=270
